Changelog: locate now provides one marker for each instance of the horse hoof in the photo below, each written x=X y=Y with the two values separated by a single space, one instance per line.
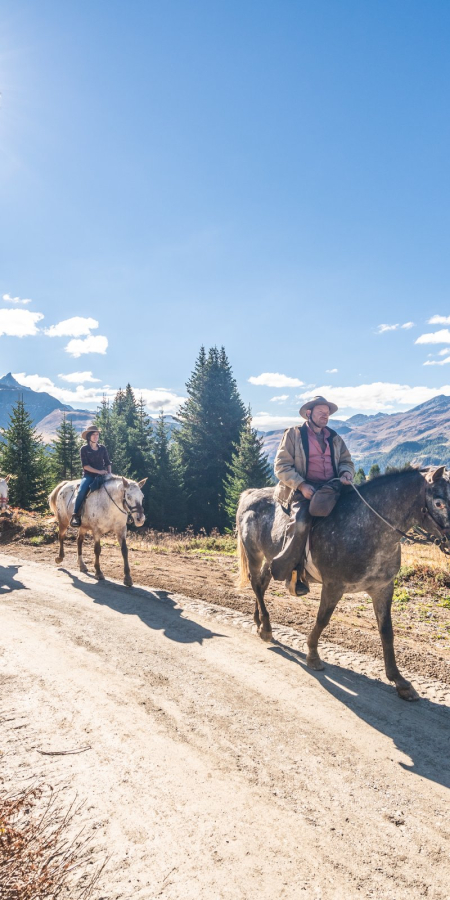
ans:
x=265 y=635
x=58 y=559
x=128 y=582
x=315 y=662
x=99 y=576
x=407 y=692
x=84 y=570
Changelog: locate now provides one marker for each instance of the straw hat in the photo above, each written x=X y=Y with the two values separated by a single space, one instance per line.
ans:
x=316 y=401
x=89 y=430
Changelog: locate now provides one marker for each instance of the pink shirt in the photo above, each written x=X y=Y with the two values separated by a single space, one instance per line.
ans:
x=320 y=466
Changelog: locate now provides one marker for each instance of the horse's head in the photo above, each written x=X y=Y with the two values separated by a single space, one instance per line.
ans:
x=4 y=493
x=437 y=501
x=133 y=500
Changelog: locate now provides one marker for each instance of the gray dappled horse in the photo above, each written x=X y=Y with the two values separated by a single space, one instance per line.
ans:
x=106 y=509
x=351 y=550
x=4 y=493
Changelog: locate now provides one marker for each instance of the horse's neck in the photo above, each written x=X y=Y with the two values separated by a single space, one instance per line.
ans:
x=400 y=501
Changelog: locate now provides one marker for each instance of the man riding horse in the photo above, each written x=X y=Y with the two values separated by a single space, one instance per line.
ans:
x=96 y=464
x=311 y=464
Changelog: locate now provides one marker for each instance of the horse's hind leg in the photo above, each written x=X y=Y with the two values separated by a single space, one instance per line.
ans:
x=81 y=564
x=122 y=538
x=259 y=579
x=328 y=601
x=62 y=534
x=382 y=600
x=97 y=550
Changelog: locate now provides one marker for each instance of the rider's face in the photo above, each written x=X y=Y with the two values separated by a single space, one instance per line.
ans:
x=320 y=414
x=94 y=437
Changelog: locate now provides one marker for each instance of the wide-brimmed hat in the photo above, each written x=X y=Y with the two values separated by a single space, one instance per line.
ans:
x=316 y=401
x=89 y=430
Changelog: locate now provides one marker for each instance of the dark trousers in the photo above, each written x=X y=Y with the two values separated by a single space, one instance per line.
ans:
x=89 y=482
x=297 y=531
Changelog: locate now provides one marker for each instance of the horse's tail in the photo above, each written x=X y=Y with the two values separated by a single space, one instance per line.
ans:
x=243 y=567
x=54 y=496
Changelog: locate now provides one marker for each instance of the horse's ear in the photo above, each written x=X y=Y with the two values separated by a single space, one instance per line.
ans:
x=126 y=483
x=141 y=483
x=436 y=475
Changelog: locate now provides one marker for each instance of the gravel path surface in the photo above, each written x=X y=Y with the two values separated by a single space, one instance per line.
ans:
x=220 y=767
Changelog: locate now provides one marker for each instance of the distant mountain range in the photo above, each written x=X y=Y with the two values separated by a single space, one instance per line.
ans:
x=420 y=436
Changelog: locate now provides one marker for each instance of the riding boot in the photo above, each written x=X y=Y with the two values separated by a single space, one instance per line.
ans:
x=291 y=556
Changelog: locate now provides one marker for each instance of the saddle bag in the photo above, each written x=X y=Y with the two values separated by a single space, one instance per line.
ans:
x=324 y=500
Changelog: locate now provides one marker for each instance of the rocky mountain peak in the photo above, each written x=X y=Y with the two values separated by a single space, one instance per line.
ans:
x=8 y=381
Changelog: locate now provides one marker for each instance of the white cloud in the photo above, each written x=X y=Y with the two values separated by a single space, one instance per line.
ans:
x=79 y=377
x=382 y=328
x=437 y=362
x=19 y=322
x=74 y=327
x=280 y=399
x=275 y=379
x=97 y=343
x=266 y=422
x=435 y=337
x=439 y=320
x=378 y=396
x=331 y=371
x=155 y=399
x=16 y=300
x=440 y=352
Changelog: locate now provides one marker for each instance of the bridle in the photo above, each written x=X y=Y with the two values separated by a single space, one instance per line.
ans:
x=128 y=512
x=440 y=542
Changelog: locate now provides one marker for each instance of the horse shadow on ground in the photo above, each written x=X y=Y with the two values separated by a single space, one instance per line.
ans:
x=419 y=730
x=156 y=609
x=8 y=582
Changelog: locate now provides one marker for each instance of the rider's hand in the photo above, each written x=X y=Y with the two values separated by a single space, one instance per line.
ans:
x=346 y=478
x=306 y=490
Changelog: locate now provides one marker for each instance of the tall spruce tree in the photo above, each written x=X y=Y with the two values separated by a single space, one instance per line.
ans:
x=22 y=454
x=166 y=502
x=249 y=468
x=211 y=421
x=103 y=421
x=65 y=454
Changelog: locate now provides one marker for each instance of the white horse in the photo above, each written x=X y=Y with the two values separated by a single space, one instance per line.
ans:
x=4 y=493
x=106 y=509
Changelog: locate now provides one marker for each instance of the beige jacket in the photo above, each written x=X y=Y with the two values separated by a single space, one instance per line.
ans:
x=291 y=461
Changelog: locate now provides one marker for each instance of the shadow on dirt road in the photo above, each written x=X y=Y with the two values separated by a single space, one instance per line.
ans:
x=419 y=730
x=156 y=609
x=8 y=582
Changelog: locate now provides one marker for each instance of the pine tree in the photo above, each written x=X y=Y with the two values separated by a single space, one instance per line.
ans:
x=360 y=476
x=374 y=471
x=65 y=456
x=211 y=421
x=166 y=507
x=22 y=454
x=249 y=468
x=103 y=421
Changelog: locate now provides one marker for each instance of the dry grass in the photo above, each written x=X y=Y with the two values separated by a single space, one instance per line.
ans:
x=42 y=855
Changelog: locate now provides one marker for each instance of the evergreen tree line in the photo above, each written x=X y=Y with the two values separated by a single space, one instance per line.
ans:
x=196 y=471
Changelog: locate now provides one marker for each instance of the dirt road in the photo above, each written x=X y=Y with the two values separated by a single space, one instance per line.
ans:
x=221 y=767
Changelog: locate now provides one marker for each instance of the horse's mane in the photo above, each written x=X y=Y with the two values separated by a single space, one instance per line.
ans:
x=371 y=486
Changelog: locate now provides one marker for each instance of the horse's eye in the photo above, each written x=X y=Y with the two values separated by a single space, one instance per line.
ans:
x=439 y=503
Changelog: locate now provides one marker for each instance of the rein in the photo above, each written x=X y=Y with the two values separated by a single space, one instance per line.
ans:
x=439 y=541
x=126 y=512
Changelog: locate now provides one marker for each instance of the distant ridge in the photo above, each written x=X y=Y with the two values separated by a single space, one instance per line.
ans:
x=420 y=436
x=37 y=403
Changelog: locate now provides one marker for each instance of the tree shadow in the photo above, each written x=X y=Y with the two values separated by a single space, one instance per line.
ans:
x=156 y=609
x=8 y=582
x=420 y=730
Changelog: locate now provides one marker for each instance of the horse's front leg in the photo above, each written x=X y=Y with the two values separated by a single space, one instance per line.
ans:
x=329 y=599
x=97 y=550
x=81 y=564
x=259 y=581
x=122 y=538
x=382 y=601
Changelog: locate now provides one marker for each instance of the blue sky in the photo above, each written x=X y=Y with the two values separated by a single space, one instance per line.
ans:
x=268 y=176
